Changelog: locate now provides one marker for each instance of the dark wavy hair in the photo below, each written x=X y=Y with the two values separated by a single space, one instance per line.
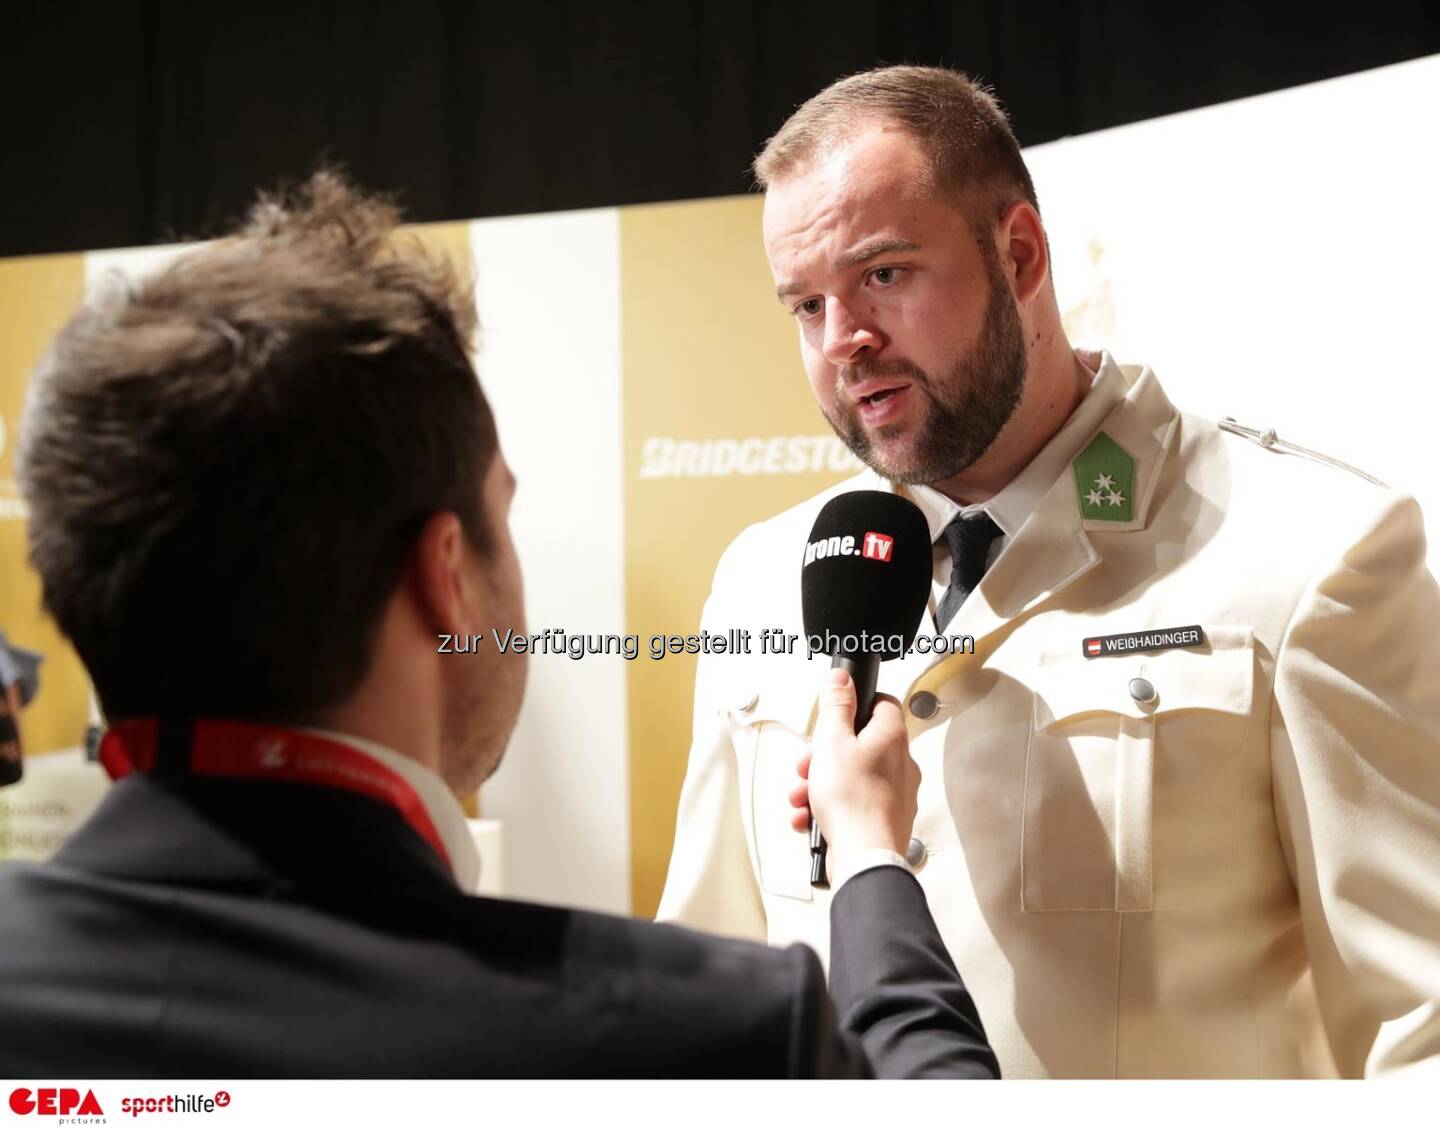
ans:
x=226 y=464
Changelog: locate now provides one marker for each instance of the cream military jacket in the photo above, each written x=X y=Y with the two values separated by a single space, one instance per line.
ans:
x=1236 y=877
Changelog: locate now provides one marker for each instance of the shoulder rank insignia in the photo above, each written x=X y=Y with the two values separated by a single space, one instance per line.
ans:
x=1105 y=481
x=1271 y=441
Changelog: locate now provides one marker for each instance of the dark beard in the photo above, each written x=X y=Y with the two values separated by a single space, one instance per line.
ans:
x=969 y=405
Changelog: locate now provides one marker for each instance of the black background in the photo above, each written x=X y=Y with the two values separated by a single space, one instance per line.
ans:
x=142 y=122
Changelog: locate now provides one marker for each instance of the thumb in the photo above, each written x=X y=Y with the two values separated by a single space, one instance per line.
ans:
x=837 y=700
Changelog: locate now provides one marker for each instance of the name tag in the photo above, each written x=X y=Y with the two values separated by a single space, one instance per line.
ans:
x=1142 y=642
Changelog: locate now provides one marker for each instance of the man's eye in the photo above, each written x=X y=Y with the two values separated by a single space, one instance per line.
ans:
x=809 y=307
x=885 y=275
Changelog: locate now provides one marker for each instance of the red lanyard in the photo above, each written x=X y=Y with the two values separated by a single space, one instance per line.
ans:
x=236 y=750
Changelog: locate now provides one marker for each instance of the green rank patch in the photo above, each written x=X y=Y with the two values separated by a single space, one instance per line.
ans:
x=1105 y=481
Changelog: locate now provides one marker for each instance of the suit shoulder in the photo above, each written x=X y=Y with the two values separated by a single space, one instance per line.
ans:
x=22 y=881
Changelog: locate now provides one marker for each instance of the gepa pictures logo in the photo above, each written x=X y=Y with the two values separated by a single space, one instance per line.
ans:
x=55 y=1102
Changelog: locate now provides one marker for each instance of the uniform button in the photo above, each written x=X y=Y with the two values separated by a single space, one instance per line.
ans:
x=923 y=705
x=915 y=853
x=1142 y=691
x=745 y=704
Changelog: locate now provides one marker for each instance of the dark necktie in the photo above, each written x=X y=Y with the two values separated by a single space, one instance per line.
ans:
x=969 y=540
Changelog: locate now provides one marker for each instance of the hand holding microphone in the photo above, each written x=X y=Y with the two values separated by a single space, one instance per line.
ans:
x=861 y=788
x=863 y=587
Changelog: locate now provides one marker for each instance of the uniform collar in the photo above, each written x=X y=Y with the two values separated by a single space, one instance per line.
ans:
x=1014 y=504
x=1053 y=548
x=440 y=804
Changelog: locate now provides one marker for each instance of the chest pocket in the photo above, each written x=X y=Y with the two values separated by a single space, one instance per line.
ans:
x=1130 y=804
x=772 y=732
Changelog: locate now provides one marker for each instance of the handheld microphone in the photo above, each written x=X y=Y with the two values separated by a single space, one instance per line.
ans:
x=863 y=587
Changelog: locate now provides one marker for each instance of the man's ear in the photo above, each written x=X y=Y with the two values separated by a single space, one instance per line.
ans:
x=439 y=575
x=1024 y=251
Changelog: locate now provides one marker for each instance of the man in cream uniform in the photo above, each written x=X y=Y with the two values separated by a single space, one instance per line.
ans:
x=1180 y=809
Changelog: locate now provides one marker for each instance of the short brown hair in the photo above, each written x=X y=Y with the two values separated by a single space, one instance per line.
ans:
x=227 y=464
x=960 y=122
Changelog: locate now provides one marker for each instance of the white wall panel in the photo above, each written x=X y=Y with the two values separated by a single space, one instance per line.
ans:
x=549 y=299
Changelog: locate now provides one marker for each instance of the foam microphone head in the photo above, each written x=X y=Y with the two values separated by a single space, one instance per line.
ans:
x=866 y=575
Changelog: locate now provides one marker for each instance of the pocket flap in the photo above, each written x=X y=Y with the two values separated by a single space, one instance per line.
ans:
x=1218 y=675
x=784 y=697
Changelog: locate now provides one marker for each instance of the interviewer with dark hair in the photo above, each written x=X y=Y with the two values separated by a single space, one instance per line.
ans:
x=261 y=485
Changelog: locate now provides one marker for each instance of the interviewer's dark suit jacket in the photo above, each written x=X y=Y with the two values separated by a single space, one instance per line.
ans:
x=232 y=929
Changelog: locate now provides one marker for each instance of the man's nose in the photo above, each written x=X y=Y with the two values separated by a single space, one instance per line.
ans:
x=849 y=335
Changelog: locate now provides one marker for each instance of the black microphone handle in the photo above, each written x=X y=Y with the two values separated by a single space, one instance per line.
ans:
x=864 y=671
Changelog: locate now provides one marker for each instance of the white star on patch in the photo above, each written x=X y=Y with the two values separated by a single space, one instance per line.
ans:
x=1104 y=482
x=1094 y=498
x=1116 y=498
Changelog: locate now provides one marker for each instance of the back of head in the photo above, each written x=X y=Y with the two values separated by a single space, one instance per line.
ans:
x=973 y=154
x=225 y=465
